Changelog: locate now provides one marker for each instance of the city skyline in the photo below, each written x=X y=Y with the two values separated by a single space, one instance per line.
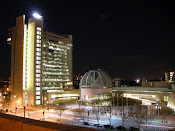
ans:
x=129 y=40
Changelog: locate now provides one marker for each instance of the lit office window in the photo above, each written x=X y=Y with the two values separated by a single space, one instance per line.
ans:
x=39 y=32
x=37 y=84
x=38 y=71
x=38 y=45
x=37 y=79
x=38 y=66
x=37 y=97
x=38 y=41
x=37 y=75
x=38 y=88
x=38 y=102
x=38 y=62
x=38 y=58
x=38 y=53
x=38 y=37
x=38 y=49
x=38 y=93
x=38 y=28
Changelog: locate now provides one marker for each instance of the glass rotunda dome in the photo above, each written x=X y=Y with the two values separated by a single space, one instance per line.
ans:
x=96 y=79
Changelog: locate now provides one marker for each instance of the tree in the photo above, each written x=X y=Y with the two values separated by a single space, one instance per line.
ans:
x=141 y=114
x=81 y=112
x=108 y=111
x=61 y=110
x=123 y=112
x=97 y=111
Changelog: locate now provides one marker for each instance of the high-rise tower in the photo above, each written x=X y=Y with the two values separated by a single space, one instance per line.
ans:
x=31 y=51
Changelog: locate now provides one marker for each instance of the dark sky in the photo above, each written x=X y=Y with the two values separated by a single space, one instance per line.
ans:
x=128 y=39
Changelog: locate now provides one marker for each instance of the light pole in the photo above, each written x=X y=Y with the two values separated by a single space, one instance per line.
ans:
x=113 y=95
x=24 y=111
x=127 y=104
x=15 y=102
x=43 y=110
x=158 y=110
x=8 y=108
x=57 y=106
x=123 y=115
x=117 y=100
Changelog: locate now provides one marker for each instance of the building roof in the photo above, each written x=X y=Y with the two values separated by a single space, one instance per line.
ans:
x=96 y=79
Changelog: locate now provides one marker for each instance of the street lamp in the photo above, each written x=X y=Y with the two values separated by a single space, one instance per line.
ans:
x=24 y=111
x=113 y=95
x=57 y=105
x=43 y=110
x=157 y=109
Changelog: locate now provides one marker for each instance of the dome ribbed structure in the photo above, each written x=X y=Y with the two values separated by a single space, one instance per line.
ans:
x=96 y=79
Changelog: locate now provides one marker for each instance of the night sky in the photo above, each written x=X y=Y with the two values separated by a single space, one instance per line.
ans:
x=128 y=39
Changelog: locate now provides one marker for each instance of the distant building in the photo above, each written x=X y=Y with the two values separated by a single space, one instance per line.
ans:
x=76 y=81
x=169 y=76
x=156 y=84
x=41 y=62
x=116 y=82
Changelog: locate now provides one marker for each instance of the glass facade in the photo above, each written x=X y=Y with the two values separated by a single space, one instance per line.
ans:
x=56 y=63
x=96 y=79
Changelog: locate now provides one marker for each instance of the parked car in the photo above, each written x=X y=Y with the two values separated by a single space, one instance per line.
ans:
x=97 y=125
x=85 y=123
x=120 y=128
x=108 y=126
x=133 y=129
x=6 y=110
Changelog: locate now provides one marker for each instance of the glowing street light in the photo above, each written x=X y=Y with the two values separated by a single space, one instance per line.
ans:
x=37 y=16
x=18 y=101
x=137 y=81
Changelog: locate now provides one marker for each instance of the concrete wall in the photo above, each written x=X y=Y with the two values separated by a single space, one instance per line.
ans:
x=156 y=84
x=146 y=84
x=161 y=84
x=117 y=83
x=140 y=88
x=173 y=87
x=14 y=123
x=9 y=125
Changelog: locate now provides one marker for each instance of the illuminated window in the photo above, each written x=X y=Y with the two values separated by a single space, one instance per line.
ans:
x=38 y=62
x=39 y=32
x=38 y=66
x=38 y=88
x=38 y=37
x=37 y=84
x=38 y=93
x=37 y=97
x=38 y=58
x=38 y=53
x=38 y=41
x=38 y=71
x=38 y=45
x=38 y=49
x=38 y=28
x=37 y=75
x=165 y=98
x=37 y=79
x=38 y=102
